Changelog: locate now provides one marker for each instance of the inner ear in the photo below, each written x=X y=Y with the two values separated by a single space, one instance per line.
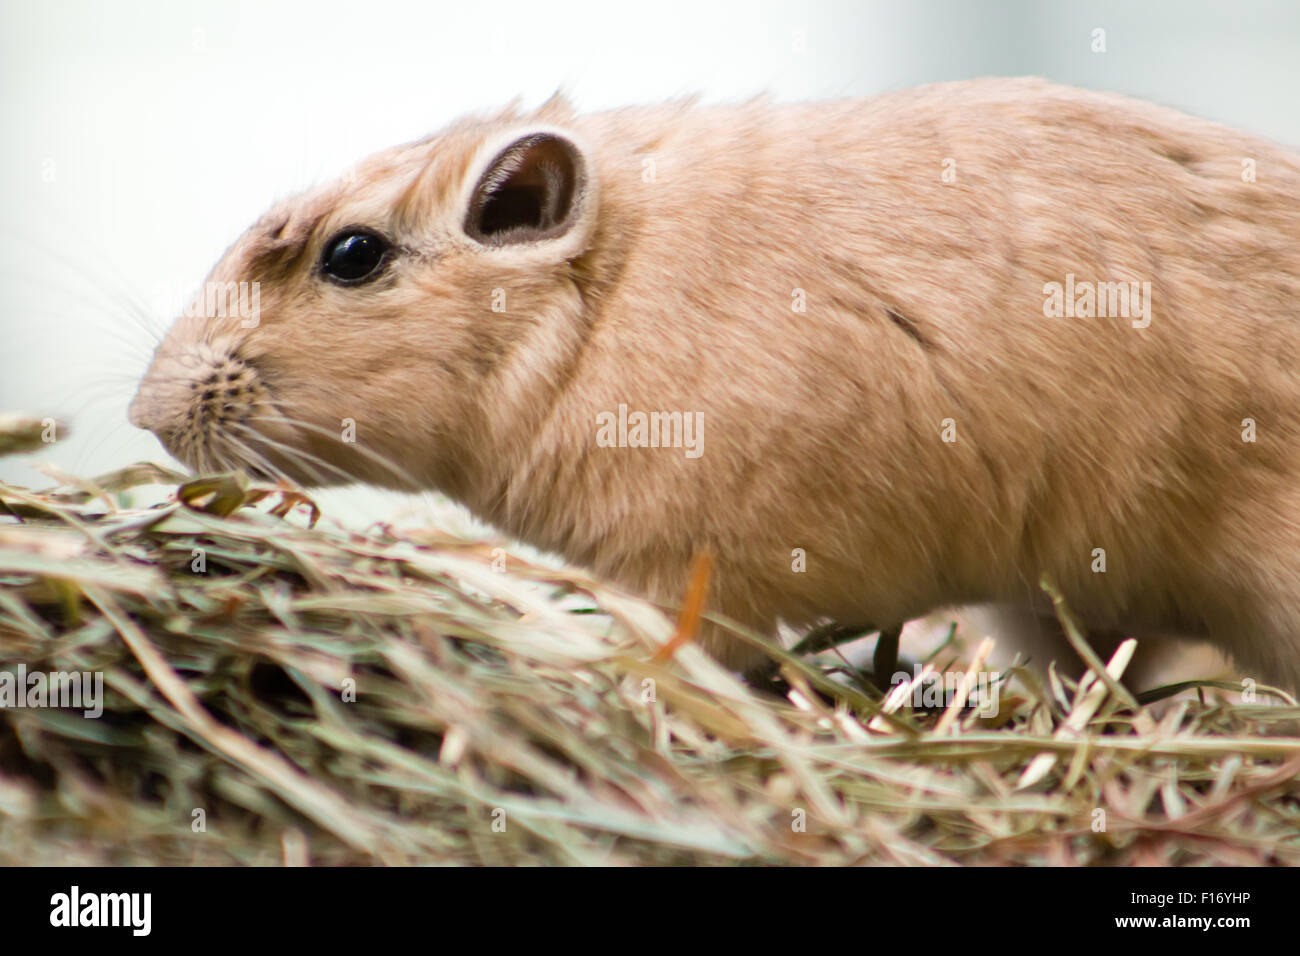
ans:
x=530 y=191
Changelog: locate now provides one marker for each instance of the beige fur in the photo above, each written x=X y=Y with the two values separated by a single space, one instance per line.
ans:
x=823 y=428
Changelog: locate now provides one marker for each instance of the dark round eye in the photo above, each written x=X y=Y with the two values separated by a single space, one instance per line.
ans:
x=353 y=257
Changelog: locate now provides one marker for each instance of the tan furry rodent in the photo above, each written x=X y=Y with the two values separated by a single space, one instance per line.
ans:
x=872 y=312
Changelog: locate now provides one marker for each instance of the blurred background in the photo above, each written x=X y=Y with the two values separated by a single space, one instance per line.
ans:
x=140 y=138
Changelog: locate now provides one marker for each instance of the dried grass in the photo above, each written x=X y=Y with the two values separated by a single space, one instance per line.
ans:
x=521 y=716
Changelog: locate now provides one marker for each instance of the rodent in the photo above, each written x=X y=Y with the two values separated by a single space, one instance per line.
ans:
x=854 y=301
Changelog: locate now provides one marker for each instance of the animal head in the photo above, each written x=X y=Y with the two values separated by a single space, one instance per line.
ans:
x=391 y=327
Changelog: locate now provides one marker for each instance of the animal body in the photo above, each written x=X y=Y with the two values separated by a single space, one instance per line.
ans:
x=905 y=352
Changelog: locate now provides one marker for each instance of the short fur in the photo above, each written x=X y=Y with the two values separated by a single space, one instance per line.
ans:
x=822 y=428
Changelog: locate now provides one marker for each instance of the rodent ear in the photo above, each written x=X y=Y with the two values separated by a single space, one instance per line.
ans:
x=533 y=189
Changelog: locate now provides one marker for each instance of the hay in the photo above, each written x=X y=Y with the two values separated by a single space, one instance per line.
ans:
x=519 y=716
